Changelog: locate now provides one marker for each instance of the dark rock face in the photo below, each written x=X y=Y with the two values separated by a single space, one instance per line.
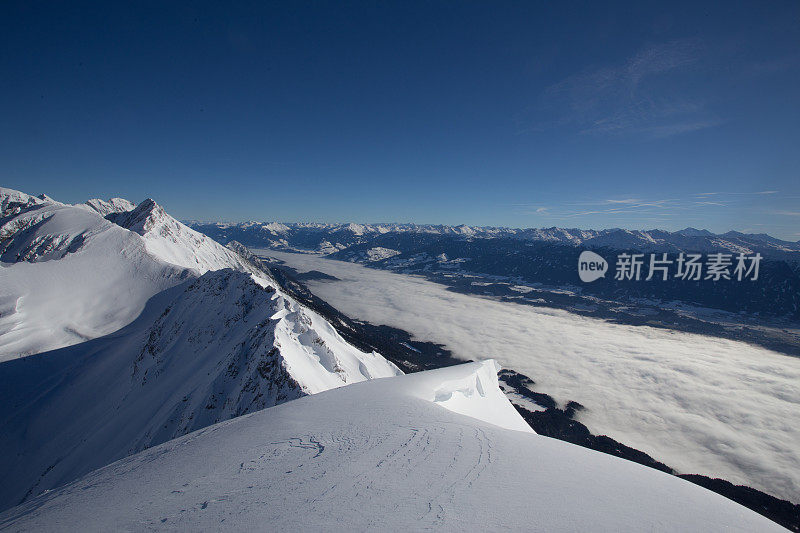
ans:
x=783 y=512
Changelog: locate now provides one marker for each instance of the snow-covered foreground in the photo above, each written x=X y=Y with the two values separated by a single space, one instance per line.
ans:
x=699 y=404
x=405 y=453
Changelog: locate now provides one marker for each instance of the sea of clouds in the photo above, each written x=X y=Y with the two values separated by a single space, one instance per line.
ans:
x=699 y=404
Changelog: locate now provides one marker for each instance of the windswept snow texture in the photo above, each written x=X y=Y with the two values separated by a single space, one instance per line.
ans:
x=381 y=455
x=67 y=274
x=699 y=404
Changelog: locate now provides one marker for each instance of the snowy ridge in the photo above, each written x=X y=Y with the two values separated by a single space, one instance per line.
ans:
x=472 y=390
x=173 y=242
x=205 y=351
x=151 y=330
x=379 y=455
x=71 y=275
x=113 y=205
x=90 y=276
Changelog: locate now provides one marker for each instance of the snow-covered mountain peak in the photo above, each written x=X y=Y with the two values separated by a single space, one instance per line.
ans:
x=37 y=230
x=175 y=243
x=694 y=232
x=110 y=206
x=12 y=202
x=222 y=345
x=43 y=197
x=275 y=227
x=93 y=273
x=143 y=218
x=153 y=329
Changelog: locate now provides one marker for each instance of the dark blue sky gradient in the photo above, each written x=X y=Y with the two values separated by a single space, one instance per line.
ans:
x=492 y=113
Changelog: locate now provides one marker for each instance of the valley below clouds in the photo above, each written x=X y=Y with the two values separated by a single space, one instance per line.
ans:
x=700 y=404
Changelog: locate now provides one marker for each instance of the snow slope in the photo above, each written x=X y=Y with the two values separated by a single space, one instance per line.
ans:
x=173 y=242
x=143 y=330
x=389 y=454
x=67 y=274
x=205 y=351
x=114 y=205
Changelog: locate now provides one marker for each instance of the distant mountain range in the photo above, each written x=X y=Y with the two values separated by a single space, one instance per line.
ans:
x=330 y=238
x=543 y=256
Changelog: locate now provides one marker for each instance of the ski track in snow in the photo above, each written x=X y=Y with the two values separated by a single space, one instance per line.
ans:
x=699 y=404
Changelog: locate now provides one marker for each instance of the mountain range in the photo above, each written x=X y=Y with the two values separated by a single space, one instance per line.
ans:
x=151 y=377
x=329 y=238
x=124 y=329
x=458 y=255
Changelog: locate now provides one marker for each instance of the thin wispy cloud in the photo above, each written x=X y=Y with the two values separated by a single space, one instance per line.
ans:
x=623 y=201
x=711 y=203
x=640 y=210
x=628 y=98
x=736 y=193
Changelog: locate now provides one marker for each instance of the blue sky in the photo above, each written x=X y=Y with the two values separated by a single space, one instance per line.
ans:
x=578 y=114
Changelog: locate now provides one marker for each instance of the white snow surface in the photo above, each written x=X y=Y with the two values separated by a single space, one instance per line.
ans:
x=151 y=331
x=699 y=404
x=381 y=455
x=113 y=205
x=205 y=351
x=67 y=274
x=175 y=243
x=378 y=253
x=12 y=201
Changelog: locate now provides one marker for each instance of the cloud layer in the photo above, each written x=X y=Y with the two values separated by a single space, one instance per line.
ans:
x=700 y=404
